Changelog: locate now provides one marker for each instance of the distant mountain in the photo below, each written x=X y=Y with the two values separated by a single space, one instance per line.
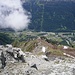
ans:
x=51 y=15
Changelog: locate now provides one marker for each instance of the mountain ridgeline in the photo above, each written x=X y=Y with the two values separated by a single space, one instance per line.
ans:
x=51 y=15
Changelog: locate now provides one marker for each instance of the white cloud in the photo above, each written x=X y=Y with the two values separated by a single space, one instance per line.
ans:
x=18 y=21
x=11 y=3
x=12 y=15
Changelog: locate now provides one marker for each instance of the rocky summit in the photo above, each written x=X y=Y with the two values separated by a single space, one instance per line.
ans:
x=26 y=63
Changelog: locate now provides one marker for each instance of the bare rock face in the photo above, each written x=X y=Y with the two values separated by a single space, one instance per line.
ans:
x=36 y=65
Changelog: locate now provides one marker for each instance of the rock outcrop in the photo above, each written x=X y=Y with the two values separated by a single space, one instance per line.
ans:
x=36 y=65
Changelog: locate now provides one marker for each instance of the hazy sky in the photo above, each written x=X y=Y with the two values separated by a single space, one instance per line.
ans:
x=12 y=15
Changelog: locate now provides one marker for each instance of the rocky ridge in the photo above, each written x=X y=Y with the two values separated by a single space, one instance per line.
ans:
x=37 y=65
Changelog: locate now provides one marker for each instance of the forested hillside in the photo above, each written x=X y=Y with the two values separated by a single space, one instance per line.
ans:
x=51 y=15
x=5 y=39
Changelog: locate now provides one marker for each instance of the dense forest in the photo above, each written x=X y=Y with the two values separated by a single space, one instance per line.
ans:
x=51 y=15
x=5 y=39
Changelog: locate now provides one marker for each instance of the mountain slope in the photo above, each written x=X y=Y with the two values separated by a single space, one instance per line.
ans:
x=51 y=15
x=5 y=39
